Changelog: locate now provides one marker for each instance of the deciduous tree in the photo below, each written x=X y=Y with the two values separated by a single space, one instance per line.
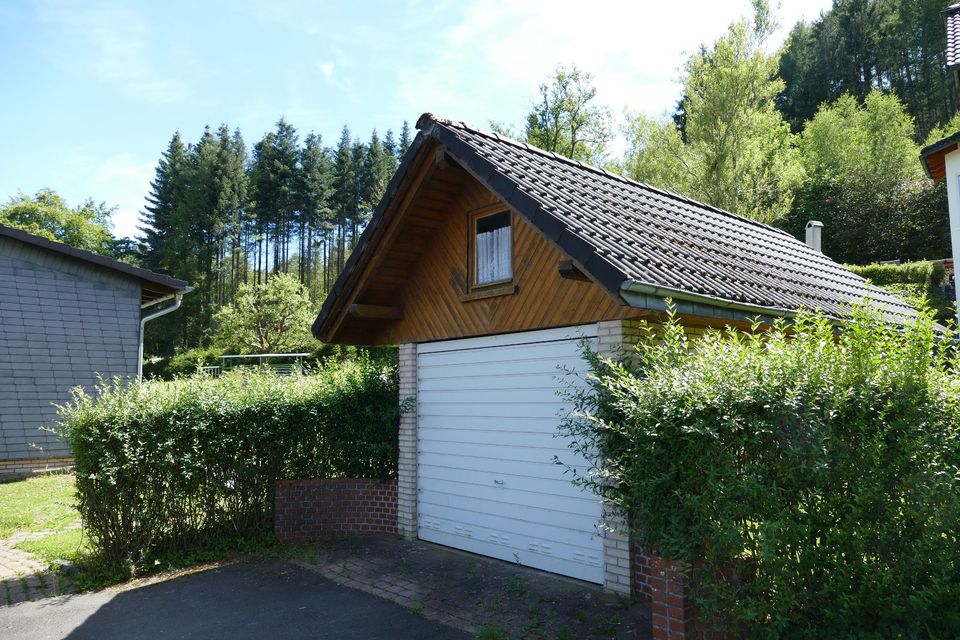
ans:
x=47 y=214
x=566 y=118
x=272 y=317
x=736 y=151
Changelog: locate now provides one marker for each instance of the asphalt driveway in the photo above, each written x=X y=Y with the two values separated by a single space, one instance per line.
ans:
x=258 y=599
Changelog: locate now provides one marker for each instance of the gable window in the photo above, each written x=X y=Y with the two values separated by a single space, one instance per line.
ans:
x=492 y=249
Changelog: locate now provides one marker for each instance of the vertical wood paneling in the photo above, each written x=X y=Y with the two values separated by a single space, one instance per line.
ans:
x=430 y=295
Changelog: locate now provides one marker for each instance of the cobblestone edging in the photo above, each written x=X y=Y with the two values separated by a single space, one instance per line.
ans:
x=23 y=577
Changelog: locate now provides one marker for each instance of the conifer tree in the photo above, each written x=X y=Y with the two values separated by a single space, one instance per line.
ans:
x=314 y=192
x=159 y=221
x=405 y=141
x=273 y=177
x=358 y=213
x=390 y=144
x=344 y=193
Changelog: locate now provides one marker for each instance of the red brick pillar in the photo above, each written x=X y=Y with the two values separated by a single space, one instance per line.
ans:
x=662 y=583
x=670 y=606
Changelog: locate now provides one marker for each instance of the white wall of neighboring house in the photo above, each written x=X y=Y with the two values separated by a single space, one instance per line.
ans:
x=952 y=160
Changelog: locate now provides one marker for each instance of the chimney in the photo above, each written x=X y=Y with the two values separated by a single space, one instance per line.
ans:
x=814 y=234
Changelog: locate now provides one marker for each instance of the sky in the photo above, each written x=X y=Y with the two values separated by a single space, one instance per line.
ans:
x=92 y=91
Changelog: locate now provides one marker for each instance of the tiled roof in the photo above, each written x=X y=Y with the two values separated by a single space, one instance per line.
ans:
x=625 y=234
x=953 y=35
x=621 y=230
x=155 y=285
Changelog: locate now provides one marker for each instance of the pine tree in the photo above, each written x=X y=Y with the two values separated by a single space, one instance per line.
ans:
x=314 y=193
x=404 y=141
x=390 y=144
x=344 y=193
x=378 y=166
x=273 y=177
x=358 y=214
x=159 y=220
x=230 y=181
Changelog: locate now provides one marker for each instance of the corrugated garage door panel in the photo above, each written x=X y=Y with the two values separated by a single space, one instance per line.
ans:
x=488 y=411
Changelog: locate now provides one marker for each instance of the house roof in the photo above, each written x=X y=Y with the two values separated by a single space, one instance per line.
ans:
x=625 y=234
x=153 y=285
x=953 y=35
x=933 y=156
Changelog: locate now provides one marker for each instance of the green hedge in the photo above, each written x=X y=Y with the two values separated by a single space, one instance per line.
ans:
x=812 y=477
x=164 y=467
x=918 y=283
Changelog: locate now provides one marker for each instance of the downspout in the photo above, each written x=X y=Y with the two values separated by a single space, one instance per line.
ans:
x=176 y=305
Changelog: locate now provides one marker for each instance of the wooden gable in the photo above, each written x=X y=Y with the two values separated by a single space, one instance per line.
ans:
x=416 y=288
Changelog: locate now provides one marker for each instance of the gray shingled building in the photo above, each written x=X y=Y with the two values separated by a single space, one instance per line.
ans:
x=66 y=316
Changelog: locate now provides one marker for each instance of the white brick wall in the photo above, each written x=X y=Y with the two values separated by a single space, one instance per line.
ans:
x=614 y=340
x=407 y=469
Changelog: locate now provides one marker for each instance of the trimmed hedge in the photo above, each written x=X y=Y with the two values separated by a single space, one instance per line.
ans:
x=164 y=467
x=918 y=283
x=811 y=476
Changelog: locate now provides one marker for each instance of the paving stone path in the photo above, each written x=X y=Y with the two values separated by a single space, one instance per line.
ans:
x=23 y=576
x=478 y=594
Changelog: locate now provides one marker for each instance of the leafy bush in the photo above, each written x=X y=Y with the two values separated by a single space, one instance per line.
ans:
x=162 y=467
x=183 y=363
x=810 y=475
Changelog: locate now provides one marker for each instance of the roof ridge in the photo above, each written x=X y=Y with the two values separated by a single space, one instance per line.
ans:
x=428 y=117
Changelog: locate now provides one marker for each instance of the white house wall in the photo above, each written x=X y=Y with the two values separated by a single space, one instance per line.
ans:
x=952 y=160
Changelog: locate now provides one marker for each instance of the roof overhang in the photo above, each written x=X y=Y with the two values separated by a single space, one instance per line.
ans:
x=431 y=138
x=933 y=157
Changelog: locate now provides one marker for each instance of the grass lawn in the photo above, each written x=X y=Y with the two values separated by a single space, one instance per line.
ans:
x=46 y=503
x=43 y=503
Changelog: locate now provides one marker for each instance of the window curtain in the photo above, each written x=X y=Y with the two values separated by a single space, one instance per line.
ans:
x=493 y=256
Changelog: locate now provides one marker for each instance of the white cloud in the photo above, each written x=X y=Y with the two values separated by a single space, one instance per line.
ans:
x=326 y=69
x=507 y=47
x=125 y=177
x=113 y=44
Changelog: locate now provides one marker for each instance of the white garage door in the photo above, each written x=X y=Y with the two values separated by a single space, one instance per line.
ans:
x=488 y=411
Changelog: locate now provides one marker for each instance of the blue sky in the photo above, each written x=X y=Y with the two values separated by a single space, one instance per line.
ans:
x=92 y=91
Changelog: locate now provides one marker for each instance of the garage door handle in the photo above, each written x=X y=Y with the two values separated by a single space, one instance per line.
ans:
x=498 y=482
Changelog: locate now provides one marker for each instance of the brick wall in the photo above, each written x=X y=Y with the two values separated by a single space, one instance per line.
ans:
x=306 y=509
x=62 y=322
x=661 y=583
x=14 y=469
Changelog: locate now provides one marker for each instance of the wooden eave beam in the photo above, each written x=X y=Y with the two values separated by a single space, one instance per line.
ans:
x=383 y=240
x=379 y=312
x=570 y=271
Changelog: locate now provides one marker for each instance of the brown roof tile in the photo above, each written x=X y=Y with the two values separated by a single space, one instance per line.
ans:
x=622 y=231
x=659 y=238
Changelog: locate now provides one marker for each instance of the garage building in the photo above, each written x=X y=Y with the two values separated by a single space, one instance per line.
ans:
x=489 y=261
